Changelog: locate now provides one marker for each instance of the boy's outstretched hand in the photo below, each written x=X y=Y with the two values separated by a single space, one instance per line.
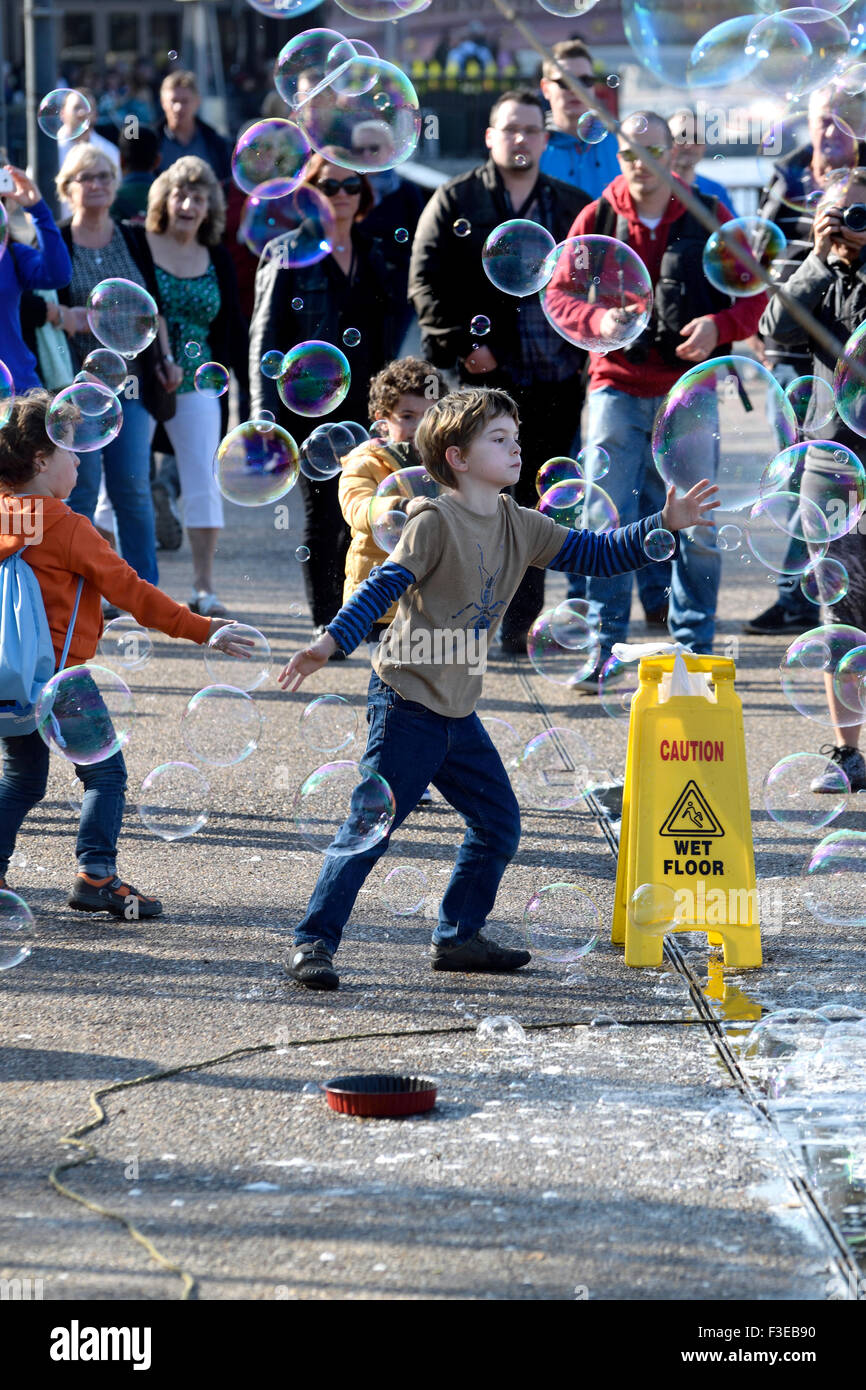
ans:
x=690 y=510
x=229 y=642
x=307 y=662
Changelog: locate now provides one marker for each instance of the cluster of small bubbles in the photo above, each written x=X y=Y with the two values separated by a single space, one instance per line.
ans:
x=790 y=800
x=272 y=363
x=270 y=156
x=591 y=128
x=343 y=808
x=729 y=537
x=221 y=726
x=813 y=396
x=256 y=463
x=812 y=657
x=462 y=227
x=125 y=644
x=64 y=114
x=825 y=581
x=297 y=303
x=480 y=326
x=561 y=923
x=404 y=890
x=729 y=251
x=659 y=544
x=594 y=462
x=302 y=554
x=107 y=366
x=298 y=226
x=123 y=316
x=516 y=257
x=242 y=672
x=401 y=235
x=386 y=513
x=324 y=449
x=352 y=337
x=597 y=294
x=562 y=662
x=173 y=801
x=315 y=378
x=832 y=880
x=16 y=930
x=211 y=379
x=85 y=713
x=328 y=724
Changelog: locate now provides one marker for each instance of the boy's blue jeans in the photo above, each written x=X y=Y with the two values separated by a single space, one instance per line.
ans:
x=23 y=784
x=411 y=747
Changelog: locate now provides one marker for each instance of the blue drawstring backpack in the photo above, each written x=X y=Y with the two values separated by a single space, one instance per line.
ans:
x=26 y=649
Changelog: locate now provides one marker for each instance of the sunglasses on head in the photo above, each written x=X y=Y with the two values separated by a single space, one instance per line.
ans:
x=655 y=150
x=585 y=81
x=331 y=187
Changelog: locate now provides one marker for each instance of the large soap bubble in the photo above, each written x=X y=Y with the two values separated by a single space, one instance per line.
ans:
x=283 y=9
x=849 y=681
x=323 y=451
x=555 y=770
x=64 y=114
x=298 y=227
x=516 y=257
x=652 y=908
x=580 y=504
x=83 y=417
x=719 y=58
x=107 y=366
x=788 y=794
x=797 y=50
x=256 y=463
x=811 y=397
x=85 y=713
x=824 y=473
x=599 y=293
x=269 y=156
x=242 y=672
x=557 y=661
x=382 y=9
x=825 y=581
x=404 y=890
x=778 y=519
x=833 y=883
x=302 y=70
x=810 y=660
x=329 y=724
x=221 y=726
x=124 y=644
x=173 y=801
x=315 y=378
x=16 y=929
x=122 y=315
x=561 y=923
x=386 y=513
x=344 y=808
x=723 y=420
x=366 y=95
x=849 y=387
x=662 y=33
x=7 y=392
x=729 y=252
x=556 y=470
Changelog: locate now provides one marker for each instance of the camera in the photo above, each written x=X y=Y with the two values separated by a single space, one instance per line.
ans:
x=854 y=217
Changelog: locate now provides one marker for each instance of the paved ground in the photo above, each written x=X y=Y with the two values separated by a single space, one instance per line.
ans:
x=609 y=1154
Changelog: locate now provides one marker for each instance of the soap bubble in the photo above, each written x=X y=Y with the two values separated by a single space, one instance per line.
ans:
x=300 y=72
x=556 y=470
x=778 y=519
x=221 y=726
x=297 y=303
x=652 y=909
x=849 y=390
x=315 y=378
x=122 y=315
x=849 y=681
x=797 y=50
x=814 y=391
x=264 y=421
x=591 y=128
x=784 y=1032
x=16 y=929
x=85 y=713
x=352 y=337
x=480 y=326
x=339 y=67
x=211 y=379
x=241 y=672
x=580 y=504
x=404 y=890
x=573 y=625
x=502 y=1028
x=4 y=230
x=64 y=114
x=107 y=366
x=369 y=91
x=659 y=544
x=279 y=9
x=7 y=392
x=346 y=800
x=124 y=644
x=272 y=363
x=401 y=235
x=833 y=882
x=386 y=523
x=505 y=739
x=561 y=923
x=617 y=683
x=302 y=554
x=270 y=154
x=515 y=257
x=556 y=661
x=192 y=350
x=788 y=794
x=256 y=463
x=323 y=451
x=825 y=581
x=594 y=462
x=83 y=417
x=555 y=769
x=329 y=724
x=722 y=420
x=719 y=58
x=297 y=226
x=809 y=658
x=727 y=252
x=174 y=800
x=598 y=293
x=729 y=537
x=828 y=475
x=462 y=228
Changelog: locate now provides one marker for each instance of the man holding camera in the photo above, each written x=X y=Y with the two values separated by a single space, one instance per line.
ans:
x=627 y=387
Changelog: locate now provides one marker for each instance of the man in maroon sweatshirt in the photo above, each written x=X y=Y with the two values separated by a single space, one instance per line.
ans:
x=627 y=387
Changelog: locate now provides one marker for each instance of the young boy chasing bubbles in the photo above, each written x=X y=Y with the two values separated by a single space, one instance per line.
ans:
x=457 y=564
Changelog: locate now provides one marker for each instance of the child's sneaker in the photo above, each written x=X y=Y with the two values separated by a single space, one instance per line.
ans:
x=426 y=798
x=847 y=759
x=112 y=895
x=207 y=605
x=477 y=956
x=312 y=965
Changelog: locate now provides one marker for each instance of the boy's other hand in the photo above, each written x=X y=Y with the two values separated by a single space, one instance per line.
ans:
x=307 y=662
x=681 y=512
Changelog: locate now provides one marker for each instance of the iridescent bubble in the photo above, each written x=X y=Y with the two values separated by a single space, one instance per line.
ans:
x=729 y=537
x=598 y=294
x=302 y=554
x=174 y=800
x=462 y=227
x=64 y=114
x=7 y=391
x=832 y=880
x=329 y=724
x=300 y=72
x=386 y=523
x=825 y=581
x=297 y=226
x=323 y=451
x=264 y=421
x=617 y=683
x=594 y=462
x=272 y=154
x=344 y=808
x=560 y=662
x=515 y=257
x=719 y=58
x=788 y=794
x=652 y=909
x=122 y=315
x=272 y=363
x=124 y=644
x=338 y=67
x=404 y=890
x=569 y=9
x=379 y=95
x=561 y=923
x=591 y=128
x=85 y=713
x=848 y=389
x=211 y=379
x=581 y=505
x=828 y=475
x=315 y=378
x=659 y=544
x=809 y=659
x=556 y=470
x=221 y=726
x=241 y=672
x=797 y=50
x=17 y=930
x=505 y=739
x=401 y=235
x=811 y=397
x=256 y=463
x=849 y=681
x=480 y=326
x=352 y=337
x=728 y=252
x=280 y=9
x=775 y=521
x=555 y=769
x=722 y=420
x=572 y=621
x=83 y=417
x=107 y=366
x=192 y=350
x=297 y=303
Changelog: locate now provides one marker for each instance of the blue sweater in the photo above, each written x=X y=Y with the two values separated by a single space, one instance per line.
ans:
x=590 y=167
x=43 y=267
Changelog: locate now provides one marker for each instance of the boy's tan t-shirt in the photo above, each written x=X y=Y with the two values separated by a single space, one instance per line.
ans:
x=467 y=568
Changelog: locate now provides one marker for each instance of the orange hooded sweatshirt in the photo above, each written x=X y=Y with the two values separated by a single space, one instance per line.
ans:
x=61 y=545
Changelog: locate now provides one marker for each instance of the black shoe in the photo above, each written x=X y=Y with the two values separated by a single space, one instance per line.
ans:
x=339 y=654
x=109 y=611
x=514 y=644
x=169 y=528
x=112 y=895
x=851 y=762
x=657 y=617
x=778 y=619
x=312 y=965
x=477 y=956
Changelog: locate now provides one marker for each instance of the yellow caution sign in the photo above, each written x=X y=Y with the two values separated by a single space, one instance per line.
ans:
x=686 y=861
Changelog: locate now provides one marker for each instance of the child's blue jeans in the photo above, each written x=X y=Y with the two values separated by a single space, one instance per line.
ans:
x=23 y=784
x=411 y=747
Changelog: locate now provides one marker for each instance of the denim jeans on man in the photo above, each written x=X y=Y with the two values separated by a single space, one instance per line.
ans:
x=622 y=425
x=23 y=784
x=411 y=747
x=126 y=461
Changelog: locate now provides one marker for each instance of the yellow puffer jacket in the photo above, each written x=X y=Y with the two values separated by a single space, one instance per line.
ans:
x=363 y=470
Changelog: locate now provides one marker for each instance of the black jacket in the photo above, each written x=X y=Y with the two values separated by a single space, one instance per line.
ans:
x=447 y=283
x=218 y=152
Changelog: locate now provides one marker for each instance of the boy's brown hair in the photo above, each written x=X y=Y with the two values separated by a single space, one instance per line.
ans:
x=454 y=422
x=24 y=436
x=407 y=376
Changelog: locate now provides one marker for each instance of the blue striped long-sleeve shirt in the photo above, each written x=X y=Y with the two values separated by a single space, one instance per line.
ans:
x=583 y=552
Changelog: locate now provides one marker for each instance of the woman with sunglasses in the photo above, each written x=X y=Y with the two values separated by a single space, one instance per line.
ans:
x=347 y=289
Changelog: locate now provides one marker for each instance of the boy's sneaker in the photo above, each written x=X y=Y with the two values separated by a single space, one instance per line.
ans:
x=777 y=619
x=112 y=895
x=169 y=527
x=848 y=760
x=312 y=965
x=426 y=799
x=477 y=956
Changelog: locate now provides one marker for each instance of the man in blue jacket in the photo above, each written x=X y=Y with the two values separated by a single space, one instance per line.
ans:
x=568 y=157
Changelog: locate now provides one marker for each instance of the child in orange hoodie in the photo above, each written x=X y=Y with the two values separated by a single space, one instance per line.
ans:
x=35 y=478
